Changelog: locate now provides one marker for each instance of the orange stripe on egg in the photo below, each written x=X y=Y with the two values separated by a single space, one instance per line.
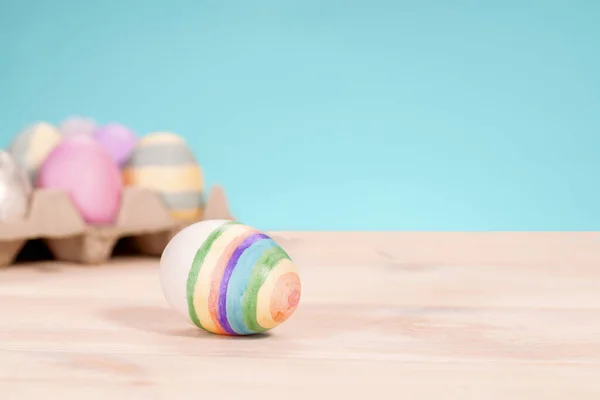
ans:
x=264 y=316
x=285 y=297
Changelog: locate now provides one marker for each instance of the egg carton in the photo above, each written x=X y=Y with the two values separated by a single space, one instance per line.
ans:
x=143 y=221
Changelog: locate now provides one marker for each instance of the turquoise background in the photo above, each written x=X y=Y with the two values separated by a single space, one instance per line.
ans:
x=337 y=115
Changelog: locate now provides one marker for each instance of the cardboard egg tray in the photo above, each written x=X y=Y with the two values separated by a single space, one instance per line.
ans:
x=143 y=224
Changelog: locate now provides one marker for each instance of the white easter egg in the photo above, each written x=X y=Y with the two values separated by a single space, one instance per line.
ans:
x=15 y=189
x=31 y=147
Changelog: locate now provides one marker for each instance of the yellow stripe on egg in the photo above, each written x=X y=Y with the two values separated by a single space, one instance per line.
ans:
x=165 y=178
x=187 y=215
x=43 y=140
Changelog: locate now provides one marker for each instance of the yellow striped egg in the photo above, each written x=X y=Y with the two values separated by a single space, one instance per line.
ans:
x=162 y=161
x=31 y=147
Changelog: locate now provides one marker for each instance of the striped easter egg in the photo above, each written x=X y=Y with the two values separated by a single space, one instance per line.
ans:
x=163 y=162
x=228 y=278
x=31 y=147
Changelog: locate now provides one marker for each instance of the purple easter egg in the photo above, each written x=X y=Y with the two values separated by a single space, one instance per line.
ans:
x=85 y=171
x=77 y=126
x=118 y=140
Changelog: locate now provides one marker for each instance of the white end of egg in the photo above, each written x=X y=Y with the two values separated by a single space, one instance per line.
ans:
x=176 y=262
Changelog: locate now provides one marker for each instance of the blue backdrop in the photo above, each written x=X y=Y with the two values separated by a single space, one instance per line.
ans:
x=337 y=114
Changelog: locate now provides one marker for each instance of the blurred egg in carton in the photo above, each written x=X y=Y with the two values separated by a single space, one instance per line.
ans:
x=15 y=189
x=163 y=161
x=83 y=169
x=31 y=146
x=118 y=140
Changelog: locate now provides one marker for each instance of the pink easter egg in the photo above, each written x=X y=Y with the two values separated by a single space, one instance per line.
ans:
x=87 y=173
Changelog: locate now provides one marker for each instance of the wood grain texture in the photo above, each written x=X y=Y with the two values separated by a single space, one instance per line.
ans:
x=394 y=330
x=449 y=248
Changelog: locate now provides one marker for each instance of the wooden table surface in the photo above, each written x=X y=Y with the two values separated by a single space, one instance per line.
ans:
x=428 y=332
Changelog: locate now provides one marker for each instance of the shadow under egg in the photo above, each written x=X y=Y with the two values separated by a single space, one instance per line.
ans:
x=165 y=322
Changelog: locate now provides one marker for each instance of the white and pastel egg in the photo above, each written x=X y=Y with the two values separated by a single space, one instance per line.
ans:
x=228 y=278
x=163 y=162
